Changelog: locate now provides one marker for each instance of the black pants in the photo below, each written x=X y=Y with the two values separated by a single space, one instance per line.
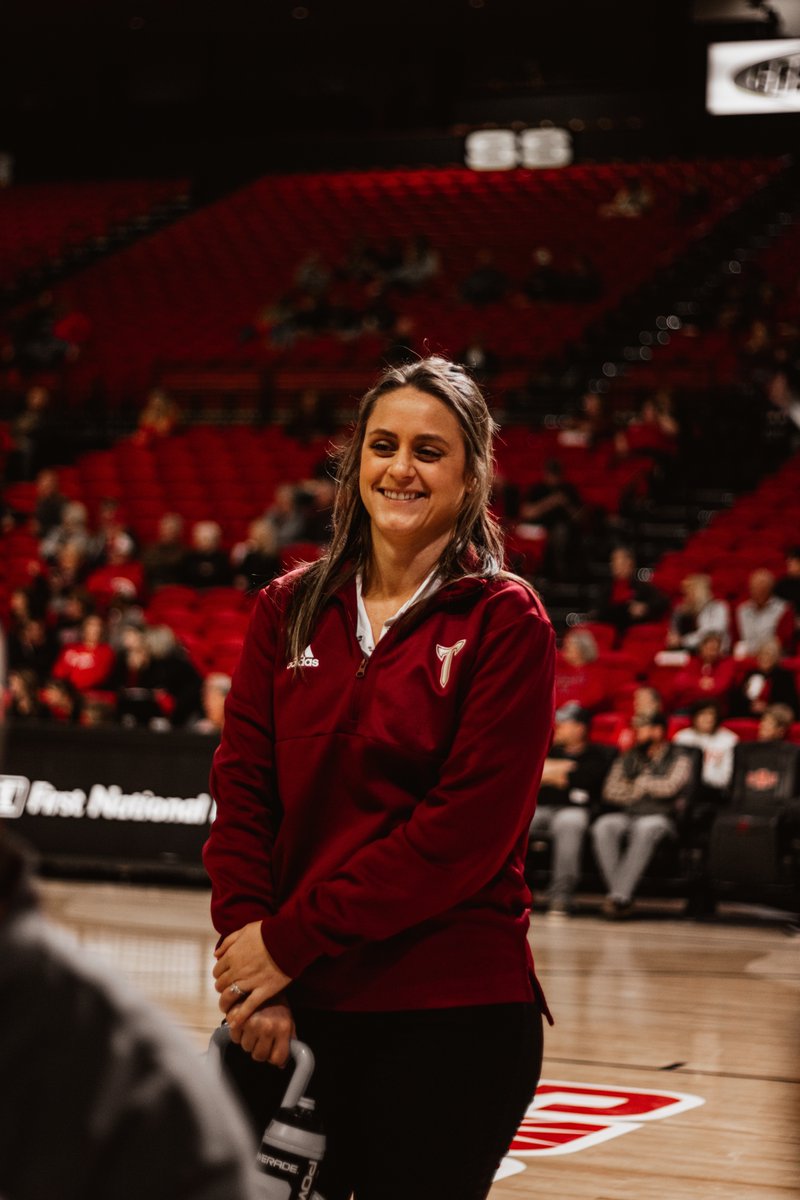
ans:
x=421 y=1104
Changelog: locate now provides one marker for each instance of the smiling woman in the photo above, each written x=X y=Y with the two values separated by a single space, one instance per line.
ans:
x=382 y=749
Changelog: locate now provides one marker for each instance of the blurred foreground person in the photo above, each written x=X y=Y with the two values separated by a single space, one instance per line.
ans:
x=100 y=1095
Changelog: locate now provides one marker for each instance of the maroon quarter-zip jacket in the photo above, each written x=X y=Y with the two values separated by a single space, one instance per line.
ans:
x=373 y=813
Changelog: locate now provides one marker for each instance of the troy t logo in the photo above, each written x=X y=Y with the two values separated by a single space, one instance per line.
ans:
x=446 y=654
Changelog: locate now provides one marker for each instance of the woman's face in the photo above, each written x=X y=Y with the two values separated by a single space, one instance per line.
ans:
x=413 y=465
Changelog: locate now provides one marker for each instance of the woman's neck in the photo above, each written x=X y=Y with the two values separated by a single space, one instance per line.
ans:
x=396 y=572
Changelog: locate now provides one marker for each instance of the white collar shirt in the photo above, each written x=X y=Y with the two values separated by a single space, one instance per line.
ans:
x=366 y=641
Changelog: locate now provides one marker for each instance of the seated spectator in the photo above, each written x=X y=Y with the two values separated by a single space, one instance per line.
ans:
x=164 y=560
x=556 y=505
x=717 y=743
x=646 y=702
x=570 y=790
x=763 y=616
x=287 y=515
x=215 y=689
x=49 y=502
x=481 y=361
x=122 y=574
x=419 y=264
x=206 y=564
x=111 y=525
x=59 y=700
x=87 y=664
x=256 y=561
x=645 y=787
x=32 y=436
x=654 y=431
x=697 y=614
x=543 y=281
x=97 y=713
x=709 y=675
x=22 y=696
x=579 y=676
x=158 y=419
x=787 y=588
x=629 y=600
x=32 y=646
x=72 y=529
x=319 y=511
x=633 y=199
x=765 y=683
x=156 y=685
x=486 y=283
x=775 y=724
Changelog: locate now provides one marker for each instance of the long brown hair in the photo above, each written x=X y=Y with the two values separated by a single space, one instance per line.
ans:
x=476 y=544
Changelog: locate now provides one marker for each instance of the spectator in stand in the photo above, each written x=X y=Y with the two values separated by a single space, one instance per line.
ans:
x=32 y=436
x=556 y=504
x=775 y=724
x=86 y=665
x=49 y=502
x=67 y=616
x=570 y=791
x=589 y=423
x=486 y=283
x=32 y=646
x=654 y=431
x=158 y=419
x=286 y=515
x=207 y=565
x=111 y=525
x=215 y=690
x=22 y=696
x=481 y=361
x=60 y=701
x=157 y=687
x=164 y=560
x=629 y=600
x=72 y=529
x=579 y=676
x=646 y=788
x=67 y=575
x=543 y=281
x=710 y=675
x=646 y=702
x=419 y=264
x=788 y=588
x=763 y=616
x=698 y=613
x=632 y=199
x=122 y=574
x=717 y=743
x=764 y=684
x=256 y=560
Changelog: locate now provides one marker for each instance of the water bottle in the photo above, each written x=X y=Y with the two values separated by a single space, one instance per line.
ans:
x=293 y=1144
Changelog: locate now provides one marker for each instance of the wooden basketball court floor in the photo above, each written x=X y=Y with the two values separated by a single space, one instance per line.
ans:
x=672 y=1072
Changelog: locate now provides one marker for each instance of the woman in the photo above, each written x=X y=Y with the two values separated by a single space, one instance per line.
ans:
x=698 y=614
x=383 y=744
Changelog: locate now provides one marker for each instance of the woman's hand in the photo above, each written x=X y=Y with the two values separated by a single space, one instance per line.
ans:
x=265 y=1036
x=246 y=976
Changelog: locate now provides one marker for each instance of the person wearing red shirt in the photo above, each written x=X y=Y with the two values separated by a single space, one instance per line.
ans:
x=708 y=676
x=383 y=744
x=579 y=677
x=86 y=664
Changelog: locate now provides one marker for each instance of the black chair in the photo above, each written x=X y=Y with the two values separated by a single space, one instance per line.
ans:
x=754 y=848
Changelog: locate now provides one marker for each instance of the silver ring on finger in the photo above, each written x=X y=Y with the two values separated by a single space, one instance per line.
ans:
x=237 y=991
